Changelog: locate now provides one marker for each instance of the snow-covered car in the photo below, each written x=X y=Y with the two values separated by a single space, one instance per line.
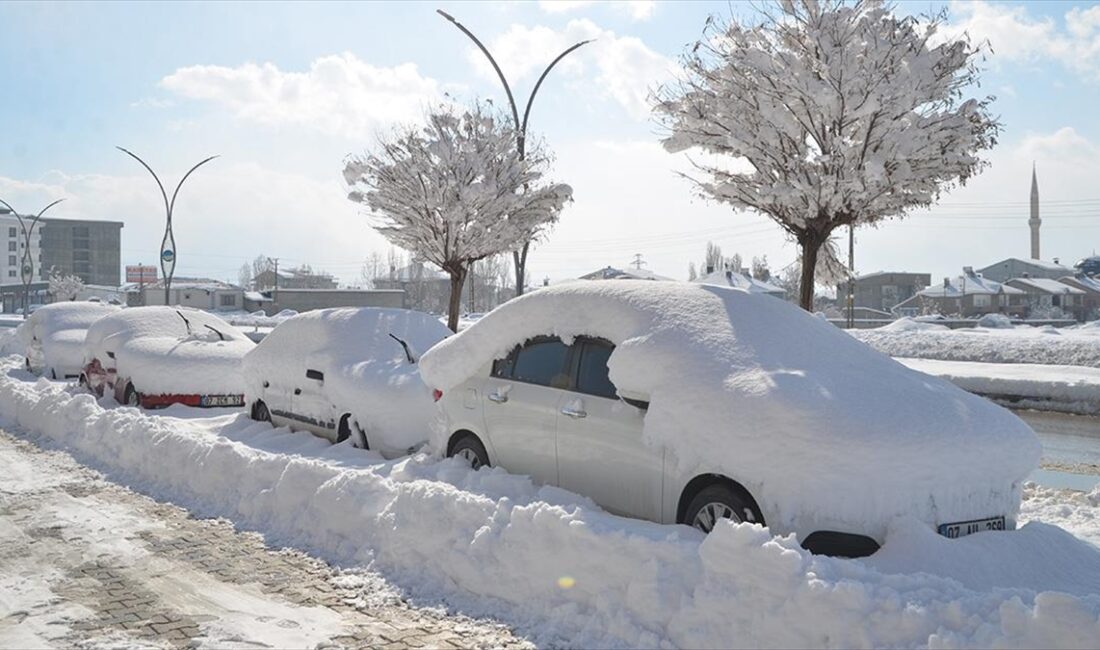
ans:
x=157 y=356
x=333 y=372
x=683 y=403
x=53 y=337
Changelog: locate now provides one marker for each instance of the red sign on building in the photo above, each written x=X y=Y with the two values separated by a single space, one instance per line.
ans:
x=141 y=274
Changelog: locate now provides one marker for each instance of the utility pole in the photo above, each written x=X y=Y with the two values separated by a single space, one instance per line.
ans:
x=851 y=276
x=275 y=274
x=638 y=262
x=27 y=265
x=168 y=244
x=519 y=257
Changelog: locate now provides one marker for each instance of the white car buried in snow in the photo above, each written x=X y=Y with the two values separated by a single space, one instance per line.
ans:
x=333 y=372
x=684 y=403
x=157 y=356
x=53 y=337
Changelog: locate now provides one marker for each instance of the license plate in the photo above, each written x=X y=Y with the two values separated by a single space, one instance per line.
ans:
x=221 y=400
x=964 y=528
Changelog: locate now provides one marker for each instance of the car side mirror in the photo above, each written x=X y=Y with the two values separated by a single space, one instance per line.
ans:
x=315 y=374
x=641 y=405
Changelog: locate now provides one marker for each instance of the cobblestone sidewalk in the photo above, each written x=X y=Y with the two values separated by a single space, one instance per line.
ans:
x=85 y=562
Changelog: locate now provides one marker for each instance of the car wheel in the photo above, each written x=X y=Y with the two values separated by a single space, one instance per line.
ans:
x=27 y=363
x=470 y=449
x=720 y=501
x=82 y=381
x=133 y=397
x=260 y=412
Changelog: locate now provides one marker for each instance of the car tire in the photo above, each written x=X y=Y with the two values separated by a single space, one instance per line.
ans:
x=260 y=412
x=345 y=430
x=133 y=397
x=470 y=448
x=82 y=381
x=721 y=501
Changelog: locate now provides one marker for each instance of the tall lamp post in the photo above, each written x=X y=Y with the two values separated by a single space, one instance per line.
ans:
x=520 y=256
x=168 y=244
x=27 y=264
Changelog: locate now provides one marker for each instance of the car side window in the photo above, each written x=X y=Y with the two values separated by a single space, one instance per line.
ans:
x=541 y=361
x=502 y=368
x=592 y=374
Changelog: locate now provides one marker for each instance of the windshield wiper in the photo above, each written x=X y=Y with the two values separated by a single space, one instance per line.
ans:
x=186 y=322
x=408 y=355
x=220 y=335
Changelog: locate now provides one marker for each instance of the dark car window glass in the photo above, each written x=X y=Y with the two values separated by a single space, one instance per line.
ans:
x=542 y=362
x=503 y=367
x=592 y=370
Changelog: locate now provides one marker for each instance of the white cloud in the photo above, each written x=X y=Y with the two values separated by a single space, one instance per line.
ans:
x=1017 y=36
x=636 y=9
x=339 y=94
x=152 y=102
x=626 y=69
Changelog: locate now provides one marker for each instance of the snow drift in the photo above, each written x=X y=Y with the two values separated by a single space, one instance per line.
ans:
x=53 y=336
x=1070 y=346
x=784 y=403
x=487 y=543
x=367 y=372
x=170 y=350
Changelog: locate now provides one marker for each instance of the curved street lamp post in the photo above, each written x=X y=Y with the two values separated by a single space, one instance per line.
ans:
x=519 y=256
x=168 y=243
x=27 y=264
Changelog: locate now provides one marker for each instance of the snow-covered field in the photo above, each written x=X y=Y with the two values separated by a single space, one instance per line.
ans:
x=1070 y=389
x=566 y=573
x=1068 y=346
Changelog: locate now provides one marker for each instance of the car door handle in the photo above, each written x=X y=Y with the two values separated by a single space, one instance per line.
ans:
x=297 y=391
x=497 y=397
x=574 y=413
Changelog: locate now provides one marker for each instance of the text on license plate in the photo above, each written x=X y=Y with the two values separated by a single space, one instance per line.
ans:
x=221 y=400
x=964 y=528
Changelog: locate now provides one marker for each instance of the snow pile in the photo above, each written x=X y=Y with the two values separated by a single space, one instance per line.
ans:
x=53 y=336
x=911 y=325
x=561 y=570
x=1076 y=346
x=258 y=318
x=366 y=371
x=761 y=391
x=169 y=350
x=1074 y=389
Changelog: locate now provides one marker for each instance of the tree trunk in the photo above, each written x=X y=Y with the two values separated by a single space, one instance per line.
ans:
x=810 y=246
x=519 y=258
x=458 y=276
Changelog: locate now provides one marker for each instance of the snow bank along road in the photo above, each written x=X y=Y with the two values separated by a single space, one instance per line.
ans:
x=84 y=562
x=565 y=573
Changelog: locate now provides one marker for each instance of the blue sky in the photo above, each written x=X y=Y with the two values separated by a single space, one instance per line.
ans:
x=285 y=90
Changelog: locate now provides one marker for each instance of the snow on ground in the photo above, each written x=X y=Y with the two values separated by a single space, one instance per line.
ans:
x=1071 y=346
x=563 y=571
x=1072 y=389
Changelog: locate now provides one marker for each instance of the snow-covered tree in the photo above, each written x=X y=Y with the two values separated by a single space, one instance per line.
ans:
x=692 y=274
x=64 y=287
x=455 y=191
x=244 y=276
x=713 y=259
x=824 y=114
x=760 y=270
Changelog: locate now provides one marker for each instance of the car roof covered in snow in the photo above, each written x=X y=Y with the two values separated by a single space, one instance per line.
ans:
x=61 y=316
x=781 y=399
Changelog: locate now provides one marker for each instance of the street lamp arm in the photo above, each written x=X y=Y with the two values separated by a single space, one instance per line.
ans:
x=43 y=211
x=155 y=177
x=531 y=99
x=8 y=206
x=180 y=184
x=485 y=51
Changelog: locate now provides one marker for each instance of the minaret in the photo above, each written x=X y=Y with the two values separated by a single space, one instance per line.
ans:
x=1034 y=221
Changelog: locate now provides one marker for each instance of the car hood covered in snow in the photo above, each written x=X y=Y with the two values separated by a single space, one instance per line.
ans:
x=161 y=354
x=54 y=335
x=818 y=426
x=367 y=372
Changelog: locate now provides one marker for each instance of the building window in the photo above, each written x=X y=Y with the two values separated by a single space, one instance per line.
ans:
x=11 y=260
x=12 y=232
x=982 y=300
x=229 y=300
x=12 y=246
x=11 y=273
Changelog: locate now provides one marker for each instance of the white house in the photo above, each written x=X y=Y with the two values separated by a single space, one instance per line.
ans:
x=612 y=273
x=1046 y=294
x=211 y=295
x=1014 y=267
